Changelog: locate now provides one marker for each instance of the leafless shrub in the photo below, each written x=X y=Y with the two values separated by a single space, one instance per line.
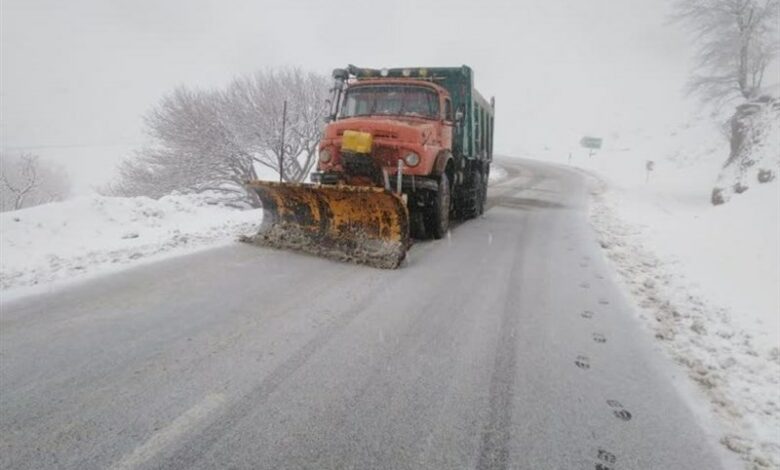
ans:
x=215 y=140
x=26 y=182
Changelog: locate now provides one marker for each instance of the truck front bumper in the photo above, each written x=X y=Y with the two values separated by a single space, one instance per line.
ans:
x=325 y=178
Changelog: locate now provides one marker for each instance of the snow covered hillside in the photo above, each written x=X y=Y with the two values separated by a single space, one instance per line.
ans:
x=95 y=234
x=729 y=251
x=706 y=278
x=754 y=157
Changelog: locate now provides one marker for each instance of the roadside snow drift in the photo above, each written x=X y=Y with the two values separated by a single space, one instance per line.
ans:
x=706 y=278
x=81 y=237
x=96 y=234
x=705 y=281
x=497 y=174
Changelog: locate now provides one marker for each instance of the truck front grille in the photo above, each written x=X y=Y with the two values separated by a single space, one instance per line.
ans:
x=361 y=165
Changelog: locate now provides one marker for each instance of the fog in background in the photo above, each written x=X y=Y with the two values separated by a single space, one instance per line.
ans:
x=77 y=76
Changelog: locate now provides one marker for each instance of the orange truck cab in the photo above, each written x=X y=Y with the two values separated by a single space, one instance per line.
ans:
x=423 y=132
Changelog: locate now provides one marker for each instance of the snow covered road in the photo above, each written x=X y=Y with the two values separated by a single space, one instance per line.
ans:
x=505 y=345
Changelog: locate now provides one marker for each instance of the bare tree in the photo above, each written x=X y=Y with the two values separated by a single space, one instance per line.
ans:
x=25 y=182
x=738 y=40
x=256 y=103
x=215 y=140
x=193 y=150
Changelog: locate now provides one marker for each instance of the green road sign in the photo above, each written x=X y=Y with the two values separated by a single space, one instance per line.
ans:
x=591 y=142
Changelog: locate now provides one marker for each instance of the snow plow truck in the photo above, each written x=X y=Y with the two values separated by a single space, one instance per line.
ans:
x=404 y=152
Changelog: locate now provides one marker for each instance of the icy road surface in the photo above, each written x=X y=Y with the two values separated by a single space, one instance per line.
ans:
x=505 y=345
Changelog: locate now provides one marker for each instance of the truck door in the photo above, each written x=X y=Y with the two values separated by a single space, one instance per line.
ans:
x=449 y=122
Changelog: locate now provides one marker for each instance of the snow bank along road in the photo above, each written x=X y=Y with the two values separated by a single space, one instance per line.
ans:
x=505 y=345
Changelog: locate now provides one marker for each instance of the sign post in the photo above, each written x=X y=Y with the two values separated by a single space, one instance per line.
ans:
x=649 y=167
x=281 y=145
x=591 y=143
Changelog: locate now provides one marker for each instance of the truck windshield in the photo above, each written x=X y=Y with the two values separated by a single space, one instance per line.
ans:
x=391 y=100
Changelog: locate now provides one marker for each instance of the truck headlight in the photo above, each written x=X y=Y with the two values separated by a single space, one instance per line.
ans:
x=325 y=156
x=412 y=159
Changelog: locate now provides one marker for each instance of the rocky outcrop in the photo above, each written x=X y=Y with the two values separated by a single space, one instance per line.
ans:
x=755 y=148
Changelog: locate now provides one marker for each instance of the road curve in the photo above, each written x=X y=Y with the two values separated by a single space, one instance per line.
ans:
x=504 y=345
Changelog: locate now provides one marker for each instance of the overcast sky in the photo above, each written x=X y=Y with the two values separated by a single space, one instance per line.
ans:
x=77 y=75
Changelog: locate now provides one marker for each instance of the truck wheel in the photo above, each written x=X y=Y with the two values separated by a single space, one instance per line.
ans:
x=437 y=219
x=472 y=201
x=482 y=199
x=417 y=225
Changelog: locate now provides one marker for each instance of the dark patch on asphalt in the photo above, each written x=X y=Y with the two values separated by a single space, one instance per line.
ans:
x=604 y=301
x=618 y=410
x=582 y=362
x=526 y=203
x=606 y=456
x=494 y=449
x=606 y=460
x=585 y=285
x=587 y=314
x=494 y=446
x=599 y=338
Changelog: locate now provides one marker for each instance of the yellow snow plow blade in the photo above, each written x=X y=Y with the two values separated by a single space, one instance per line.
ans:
x=351 y=223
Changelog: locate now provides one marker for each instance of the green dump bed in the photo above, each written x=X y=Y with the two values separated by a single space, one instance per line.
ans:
x=474 y=137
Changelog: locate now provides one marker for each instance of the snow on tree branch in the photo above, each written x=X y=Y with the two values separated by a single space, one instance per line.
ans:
x=737 y=41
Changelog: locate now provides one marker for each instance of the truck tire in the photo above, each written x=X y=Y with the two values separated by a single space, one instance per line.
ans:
x=472 y=203
x=417 y=224
x=483 y=187
x=437 y=220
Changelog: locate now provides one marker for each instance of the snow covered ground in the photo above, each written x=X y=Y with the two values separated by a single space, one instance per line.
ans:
x=497 y=173
x=706 y=278
x=50 y=245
